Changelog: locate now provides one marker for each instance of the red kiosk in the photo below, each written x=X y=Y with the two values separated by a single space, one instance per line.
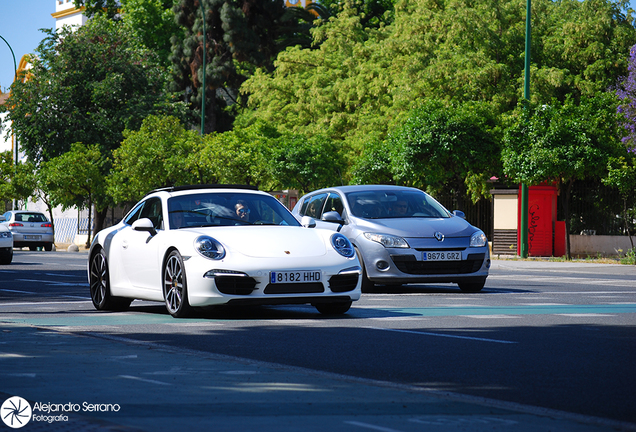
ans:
x=546 y=235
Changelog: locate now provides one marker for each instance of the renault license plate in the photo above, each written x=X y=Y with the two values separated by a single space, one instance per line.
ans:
x=441 y=256
x=298 y=276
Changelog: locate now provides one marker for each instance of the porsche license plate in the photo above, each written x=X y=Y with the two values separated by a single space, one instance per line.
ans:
x=299 y=276
x=441 y=256
x=32 y=237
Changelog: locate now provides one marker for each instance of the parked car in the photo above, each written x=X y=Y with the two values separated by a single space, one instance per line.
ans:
x=30 y=229
x=402 y=235
x=209 y=245
x=6 y=244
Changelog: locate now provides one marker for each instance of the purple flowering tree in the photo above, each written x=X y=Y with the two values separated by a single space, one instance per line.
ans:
x=626 y=91
x=622 y=169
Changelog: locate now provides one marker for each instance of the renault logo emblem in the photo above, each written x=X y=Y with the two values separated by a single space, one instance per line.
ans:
x=439 y=236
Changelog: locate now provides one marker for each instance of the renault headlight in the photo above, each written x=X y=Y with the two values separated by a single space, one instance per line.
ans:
x=342 y=245
x=209 y=248
x=478 y=239
x=387 y=240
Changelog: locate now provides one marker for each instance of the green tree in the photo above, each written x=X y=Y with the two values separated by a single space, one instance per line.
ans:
x=562 y=143
x=153 y=22
x=108 y=8
x=307 y=163
x=86 y=86
x=446 y=148
x=621 y=174
x=17 y=182
x=360 y=82
x=76 y=179
x=155 y=156
x=236 y=157
x=241 y=35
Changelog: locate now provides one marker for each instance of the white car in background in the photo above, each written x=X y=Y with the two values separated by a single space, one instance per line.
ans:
x=6 y=244
x=209 y=245
x=30 y=229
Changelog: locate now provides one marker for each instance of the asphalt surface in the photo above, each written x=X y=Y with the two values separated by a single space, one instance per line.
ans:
x=207 y=374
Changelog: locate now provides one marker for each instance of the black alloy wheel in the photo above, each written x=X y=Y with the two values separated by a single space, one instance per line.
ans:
x=100 y=285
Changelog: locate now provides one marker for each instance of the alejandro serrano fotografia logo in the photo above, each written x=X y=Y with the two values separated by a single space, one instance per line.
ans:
x=16 y=412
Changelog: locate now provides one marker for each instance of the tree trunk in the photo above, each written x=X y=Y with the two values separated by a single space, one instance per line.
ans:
x=100 y=217
x=90 y=220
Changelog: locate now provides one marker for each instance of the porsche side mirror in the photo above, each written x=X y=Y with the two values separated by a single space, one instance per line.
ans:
x=144 y=224
x=308 y=222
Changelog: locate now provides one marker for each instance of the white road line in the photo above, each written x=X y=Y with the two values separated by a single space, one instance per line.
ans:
x=370 y=426
x=143 y=379
x=45 y=303
x=16 y=291
x=53 y=283
x=442 y=335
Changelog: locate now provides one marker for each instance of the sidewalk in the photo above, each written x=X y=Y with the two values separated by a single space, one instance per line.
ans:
x=112 y=384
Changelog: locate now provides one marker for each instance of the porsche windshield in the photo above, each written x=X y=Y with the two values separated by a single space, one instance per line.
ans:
x=377 y=204
x=227 y=209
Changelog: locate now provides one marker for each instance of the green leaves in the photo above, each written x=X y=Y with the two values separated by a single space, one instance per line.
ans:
x=154 y=156
x=562 y=142
x=85 y=86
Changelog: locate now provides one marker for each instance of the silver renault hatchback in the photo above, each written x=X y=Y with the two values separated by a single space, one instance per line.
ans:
x=402 y=235
x=30 y=229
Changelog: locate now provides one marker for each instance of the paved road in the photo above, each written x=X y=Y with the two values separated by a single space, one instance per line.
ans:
x=544 y=342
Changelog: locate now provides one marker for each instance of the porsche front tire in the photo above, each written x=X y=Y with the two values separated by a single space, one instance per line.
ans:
x=175 y=286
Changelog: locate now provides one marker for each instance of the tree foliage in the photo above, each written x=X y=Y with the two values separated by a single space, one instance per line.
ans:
x=562 y=143
x=155 y=156
x=76 y=179
x=307 y=163
x=241 y=35
x=441 y=148
x=85 y=86
x=360 y=81
x=108 y=8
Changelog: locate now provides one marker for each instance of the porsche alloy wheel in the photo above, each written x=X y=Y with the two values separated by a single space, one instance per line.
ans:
x=175 y=288
x=100 y=285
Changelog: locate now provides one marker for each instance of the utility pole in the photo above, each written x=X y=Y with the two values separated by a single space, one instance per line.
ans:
x=526 y=94
x=15 y=137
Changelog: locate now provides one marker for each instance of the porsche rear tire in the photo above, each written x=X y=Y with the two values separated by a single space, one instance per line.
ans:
x=100 y=285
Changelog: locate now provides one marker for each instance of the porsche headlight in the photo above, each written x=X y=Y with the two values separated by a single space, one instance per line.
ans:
x=342 y=245
x=209 y=248
x=478 y=239
x=387 y=240
x=5 y=234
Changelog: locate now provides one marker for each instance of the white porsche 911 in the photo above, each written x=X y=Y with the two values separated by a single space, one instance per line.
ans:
x=208 y=245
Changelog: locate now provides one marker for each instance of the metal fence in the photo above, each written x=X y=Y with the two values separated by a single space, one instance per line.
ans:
x=67 y=228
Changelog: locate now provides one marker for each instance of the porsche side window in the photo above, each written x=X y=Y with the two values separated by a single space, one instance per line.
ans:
x=152 y=210
x=134 y=214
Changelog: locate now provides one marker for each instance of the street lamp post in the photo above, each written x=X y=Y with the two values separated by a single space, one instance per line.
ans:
x=526 y=94
x=15 y=138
